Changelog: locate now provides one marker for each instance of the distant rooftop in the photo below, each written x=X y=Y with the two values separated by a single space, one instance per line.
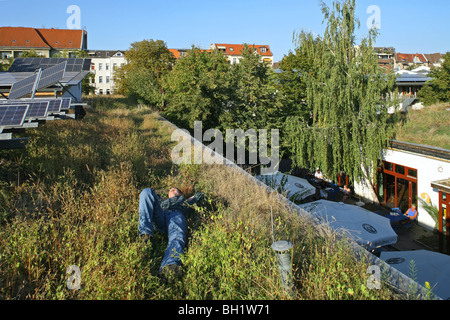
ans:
x=23 y=37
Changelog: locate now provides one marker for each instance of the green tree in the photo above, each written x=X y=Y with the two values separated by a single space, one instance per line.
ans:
x=254 y=103
x=348 y=96
x=295 y=67
x=141 y=77
x=71 y=54
x=437 y=89
x=197 y=89
x=5 y=64
x=30 y=54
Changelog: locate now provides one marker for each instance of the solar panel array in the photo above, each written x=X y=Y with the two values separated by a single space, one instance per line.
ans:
x=55 y=106
x=26 y=76
x=37 y=110
x=32 y=64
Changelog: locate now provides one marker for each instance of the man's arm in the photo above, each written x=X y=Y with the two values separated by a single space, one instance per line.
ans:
x=195 y=198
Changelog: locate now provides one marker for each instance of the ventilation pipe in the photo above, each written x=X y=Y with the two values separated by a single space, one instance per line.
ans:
x=281 y=249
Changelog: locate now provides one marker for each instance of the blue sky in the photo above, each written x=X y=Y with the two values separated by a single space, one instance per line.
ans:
x=408 y=25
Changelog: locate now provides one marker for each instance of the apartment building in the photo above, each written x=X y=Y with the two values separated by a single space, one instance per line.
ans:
x=233 y=52
x=386 y=57
x=103 y=65
x=45 y=42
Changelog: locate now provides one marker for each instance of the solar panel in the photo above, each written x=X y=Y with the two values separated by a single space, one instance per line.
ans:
x=12 y=115
x=65 y=105
x=22 y=88
x=37 y=110
x=54 y=106
x=51 y=75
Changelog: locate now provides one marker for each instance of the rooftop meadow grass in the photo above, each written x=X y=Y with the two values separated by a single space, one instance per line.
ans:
x=428 y=126
x=71 y=198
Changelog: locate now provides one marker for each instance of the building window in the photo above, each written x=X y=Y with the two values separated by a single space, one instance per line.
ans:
x=100 y=66
x=397 y=185
x=399 y=169
x=263 y=49
x=412 y=173
x=100 y=79
x=444 y=222
x=107 y=66
x=107 y=79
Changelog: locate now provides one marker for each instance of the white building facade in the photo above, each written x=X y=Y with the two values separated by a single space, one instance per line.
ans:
x=103 y=65
x=416 y=168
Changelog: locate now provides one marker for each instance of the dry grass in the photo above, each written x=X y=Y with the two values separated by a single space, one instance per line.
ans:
x=429 y=126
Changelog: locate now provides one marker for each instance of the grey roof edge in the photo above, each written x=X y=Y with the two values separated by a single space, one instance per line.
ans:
x=426 y=150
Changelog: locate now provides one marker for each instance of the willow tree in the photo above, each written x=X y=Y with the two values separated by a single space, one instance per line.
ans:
x=347 y=95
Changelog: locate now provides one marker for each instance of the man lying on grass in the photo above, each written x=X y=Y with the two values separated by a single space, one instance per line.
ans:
x=168 y=217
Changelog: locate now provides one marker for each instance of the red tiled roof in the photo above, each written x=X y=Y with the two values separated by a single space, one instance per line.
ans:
x=236 y=49
x=433 y=57
x=408 y=57
x=63 y=38
x=41 y=38
x=175 y=53
x=21 y=37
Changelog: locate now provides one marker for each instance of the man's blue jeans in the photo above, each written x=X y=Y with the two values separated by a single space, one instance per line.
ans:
x=172 y=223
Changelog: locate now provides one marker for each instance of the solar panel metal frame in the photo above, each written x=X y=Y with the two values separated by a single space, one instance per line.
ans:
x=23 y=87
x=18 y=112
x=51 y=75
